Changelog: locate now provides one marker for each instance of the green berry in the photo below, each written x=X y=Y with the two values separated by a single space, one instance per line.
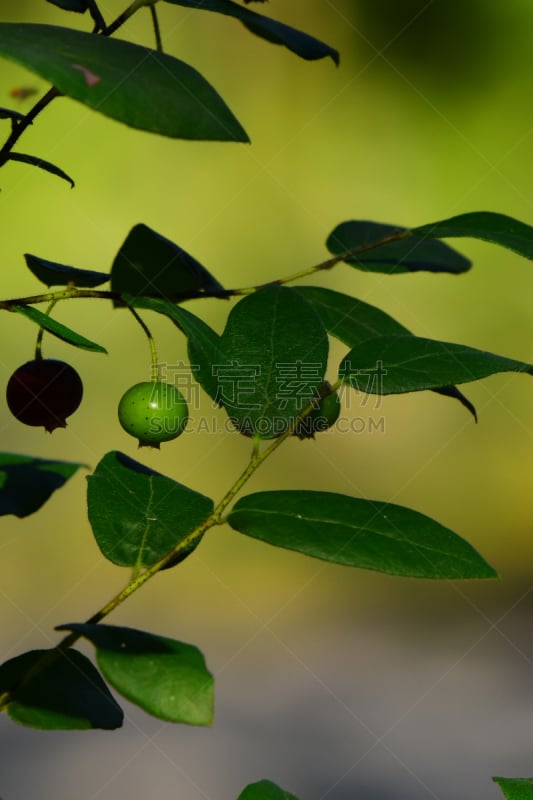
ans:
x=324 y=414
x=153 y=412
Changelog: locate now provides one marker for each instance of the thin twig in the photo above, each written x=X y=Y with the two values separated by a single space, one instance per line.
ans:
x=73 y=292
x=157 y=29
x=19 y=127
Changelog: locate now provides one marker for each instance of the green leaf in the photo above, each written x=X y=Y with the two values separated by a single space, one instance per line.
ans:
x=59 y=690
x=58 y=329
x=485 y=225
x=27 y=482
x=138 y=515
x=34 y=161
x=275 y=32
x=166 y=678
x=348 y=319
x=358 y=533
x=359 y=245
x=203 y=343
x=140 y=87
x=516 y=788
x=397 y=364
x=273 y=357
x=352 y=322
x=53 y=274
x=265 y=790
x=149 y=265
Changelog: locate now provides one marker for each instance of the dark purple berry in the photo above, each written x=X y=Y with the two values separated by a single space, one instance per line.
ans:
x=44 y=392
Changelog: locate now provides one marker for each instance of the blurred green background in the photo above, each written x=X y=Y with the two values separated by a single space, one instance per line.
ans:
x=428 y=116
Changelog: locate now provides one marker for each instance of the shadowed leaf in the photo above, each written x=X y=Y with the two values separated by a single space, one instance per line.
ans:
x=166 y=678
x=360 y=241
x=71 y=5
x=60 y=690
x=150 y=265
x=53 y=274
x=275 y=32
x=34 y=161
x=27 y=482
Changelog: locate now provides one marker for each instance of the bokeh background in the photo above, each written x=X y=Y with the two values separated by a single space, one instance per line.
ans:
x=333 y=682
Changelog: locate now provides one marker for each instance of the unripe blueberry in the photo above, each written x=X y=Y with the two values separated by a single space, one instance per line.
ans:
x=153 y=412
x=323 y=415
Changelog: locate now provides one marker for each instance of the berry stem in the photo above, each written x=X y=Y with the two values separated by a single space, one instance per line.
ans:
x=154 y=371
x=157 y=29
x=39 y=341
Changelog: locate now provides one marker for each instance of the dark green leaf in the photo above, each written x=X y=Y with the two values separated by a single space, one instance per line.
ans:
x=486 y=225
x=132 y=84
x=34 y=161
x=59 y=690
x=275 y=32
x=149 y=265
x=265 y=790
x=166 y=678
x=516 y=788
x=53 y=274
x=71 y=5
x=350 y=320
x=360 y=241
x=397 y=364
x=27 y=482
x=353 y=322
x=358 y=533
x=138 y=515
x=273 y=356
x=203 y=342
x=58 y=329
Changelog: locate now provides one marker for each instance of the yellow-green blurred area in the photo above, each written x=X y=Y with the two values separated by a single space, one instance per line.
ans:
x=427 y=116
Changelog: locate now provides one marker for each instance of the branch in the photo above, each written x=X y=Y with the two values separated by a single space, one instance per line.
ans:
x=20 y=126
x=71 y=293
